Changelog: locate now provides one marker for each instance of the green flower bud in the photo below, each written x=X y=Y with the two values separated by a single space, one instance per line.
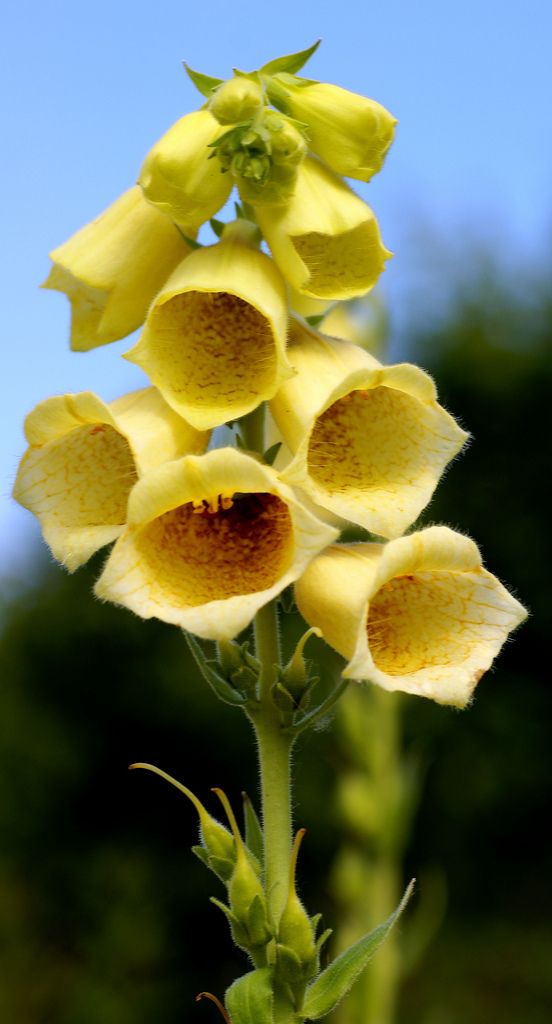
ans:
x=239 y=99
x=245 y=892
x=295 y=928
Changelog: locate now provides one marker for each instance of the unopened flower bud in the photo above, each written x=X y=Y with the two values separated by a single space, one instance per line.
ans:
x=237 y=100
x=295 y=929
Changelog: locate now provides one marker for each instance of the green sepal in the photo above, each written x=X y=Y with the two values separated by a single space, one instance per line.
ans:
x=335 y=981
x=222 y=867
x=249 y=1000
x=253 y=831
x=291 y=62
x=202 y=855
x=257 y=923
x=271 y=453
x=315 y=321
x=220 y=687
x=287 y=600
x=205 y=84
x=323 y=939
x=217 y=226
x=192 y=242
x=315 y=921
x=237 y=930
x=289 y=969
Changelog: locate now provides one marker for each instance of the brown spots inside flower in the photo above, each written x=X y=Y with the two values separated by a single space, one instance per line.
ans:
x=210 y=349
x=425 y=620
x=369 y=440
x=345 y=263
x=222 y=549
x=83 y=479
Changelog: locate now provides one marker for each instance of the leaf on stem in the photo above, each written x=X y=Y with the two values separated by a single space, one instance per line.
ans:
x=253 y=831
x=329 y=988
x=249 y=999
x=291 y=62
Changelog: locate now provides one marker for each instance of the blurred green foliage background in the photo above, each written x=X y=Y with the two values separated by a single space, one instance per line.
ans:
x=104 y=912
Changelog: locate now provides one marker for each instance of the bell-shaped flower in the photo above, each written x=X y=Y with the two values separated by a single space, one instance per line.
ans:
x=214 y=340
x=179 y=175
x=83 y=459
x=112 y=268
x=325 y=240
x=369 y=442
x=210 y=540
x=350 y=132
x=419 y=614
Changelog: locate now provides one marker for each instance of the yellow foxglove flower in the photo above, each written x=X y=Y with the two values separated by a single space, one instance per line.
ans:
x=214 y=340
x=83 y=459
x=419 y=614
x=178 y=175
x=112 y=268
x=325 y=240
x=210 y=539
x=350 y=132
x=369 y=442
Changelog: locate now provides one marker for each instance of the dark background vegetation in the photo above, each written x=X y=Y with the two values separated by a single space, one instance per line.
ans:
x=104 y=912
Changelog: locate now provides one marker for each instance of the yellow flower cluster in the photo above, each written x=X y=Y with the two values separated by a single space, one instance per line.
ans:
x=204 y=538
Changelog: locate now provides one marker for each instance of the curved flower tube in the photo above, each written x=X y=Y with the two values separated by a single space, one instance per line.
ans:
x=210 y=540
x=178 y=175
x=113 y=267
x=419 y=614
x=215 y=337
x=84 y=458
x=369 y=442
x=350 y=132
x=325 y=240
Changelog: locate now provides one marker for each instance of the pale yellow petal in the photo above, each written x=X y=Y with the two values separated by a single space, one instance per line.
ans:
x=369 y=442
x=113 y=267
x=325 y=240
x=214 y=342
x=419 y=614
x=83 y=460
x=210 y=540
x=179 y=177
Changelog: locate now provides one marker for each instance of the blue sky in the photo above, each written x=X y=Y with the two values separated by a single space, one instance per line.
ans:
x=89 y=88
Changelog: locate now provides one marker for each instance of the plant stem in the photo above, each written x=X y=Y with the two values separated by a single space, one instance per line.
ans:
x=274 y=763
x=252 y=429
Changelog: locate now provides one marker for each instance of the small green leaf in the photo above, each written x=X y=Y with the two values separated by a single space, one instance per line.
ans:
x=256 y=921
x=288 y=965
x=220 y=687
x=201 y=854
x=205 y=84
x=222 y=867
x=249 y=999
x=237 y=930
x=315 y=321
x=329 y=988
x=291 y=62
x=192 y=242
x=253 y=831
x=271 y=453
x=217 y=226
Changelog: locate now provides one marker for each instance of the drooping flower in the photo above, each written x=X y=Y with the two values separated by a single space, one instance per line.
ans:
x=369 y=442
x=214 y=340
x=180 y=178
x=325 y=240
x=210 y=540
x=83 y=459
x=112 y=268
x=351 y=133
x=419 y=614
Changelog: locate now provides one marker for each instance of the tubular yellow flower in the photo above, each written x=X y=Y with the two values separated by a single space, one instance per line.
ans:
x=350 y=132
x=214 y=340
x=178 y=175
x=84 y=458
x=419 y=614
x=112 y=268
x=326 y=241
x=369 y=442
x=210 y=539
